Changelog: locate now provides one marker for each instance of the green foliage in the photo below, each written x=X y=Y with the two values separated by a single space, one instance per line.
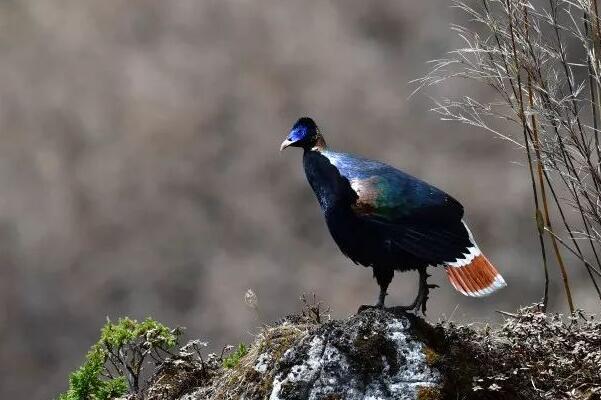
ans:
x=87 y=383
x=233 y=359
x=127 y=331
x=116 y=361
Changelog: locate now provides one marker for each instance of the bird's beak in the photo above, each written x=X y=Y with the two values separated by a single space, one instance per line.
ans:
x=285 y=144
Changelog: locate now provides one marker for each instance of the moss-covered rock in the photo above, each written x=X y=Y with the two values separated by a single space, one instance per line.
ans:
x=380 y=355
x=374 y=354
x=371 y=355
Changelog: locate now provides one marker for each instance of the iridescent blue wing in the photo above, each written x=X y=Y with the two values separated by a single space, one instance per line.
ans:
x=418 y=217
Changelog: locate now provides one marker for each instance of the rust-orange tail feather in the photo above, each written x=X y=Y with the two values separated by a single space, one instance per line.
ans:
x=477 y=277
x=472 y=274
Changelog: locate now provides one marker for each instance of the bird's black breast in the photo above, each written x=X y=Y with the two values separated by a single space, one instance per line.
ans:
x=333 y=191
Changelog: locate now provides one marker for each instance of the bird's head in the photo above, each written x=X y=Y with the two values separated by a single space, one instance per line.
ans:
x=305 y=134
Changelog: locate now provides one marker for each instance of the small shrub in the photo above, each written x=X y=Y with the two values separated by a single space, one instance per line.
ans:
x=116 y=362
x=87 y=382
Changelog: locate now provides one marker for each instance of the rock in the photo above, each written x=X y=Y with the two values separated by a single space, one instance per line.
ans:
x=373 y=355
x=380 y=355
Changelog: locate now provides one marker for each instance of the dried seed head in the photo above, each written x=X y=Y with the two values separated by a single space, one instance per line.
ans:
x=250 y=298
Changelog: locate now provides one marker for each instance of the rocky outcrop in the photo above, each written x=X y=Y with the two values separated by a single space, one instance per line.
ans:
x=380 y=355
x=372 y=355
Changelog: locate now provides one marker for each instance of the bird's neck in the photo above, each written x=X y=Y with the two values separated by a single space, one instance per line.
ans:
x=320 y=144
x=331 y=189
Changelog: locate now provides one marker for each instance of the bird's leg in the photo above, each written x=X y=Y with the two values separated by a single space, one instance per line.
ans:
x=383 y=277
x=382 y=296
x=422 y=294
x=424 y=290
x=415 y=303
x=380 y=304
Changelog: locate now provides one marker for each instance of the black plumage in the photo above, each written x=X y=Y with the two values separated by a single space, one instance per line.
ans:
x=382 y=218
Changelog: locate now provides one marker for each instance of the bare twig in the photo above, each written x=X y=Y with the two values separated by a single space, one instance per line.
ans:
x=545 y=84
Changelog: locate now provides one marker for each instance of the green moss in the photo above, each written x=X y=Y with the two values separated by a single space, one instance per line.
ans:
x=233 y=359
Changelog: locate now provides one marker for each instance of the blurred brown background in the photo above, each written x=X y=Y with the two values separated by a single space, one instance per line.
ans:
x=140 y=172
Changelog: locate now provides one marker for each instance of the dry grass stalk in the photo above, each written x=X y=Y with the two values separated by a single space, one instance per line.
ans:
x=543 y=59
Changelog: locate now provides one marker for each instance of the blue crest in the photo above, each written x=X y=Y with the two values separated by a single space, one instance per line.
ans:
x=303 y=130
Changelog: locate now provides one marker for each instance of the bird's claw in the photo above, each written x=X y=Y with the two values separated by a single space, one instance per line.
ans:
x=400 y=309
x=370 y=307
x=393 y=310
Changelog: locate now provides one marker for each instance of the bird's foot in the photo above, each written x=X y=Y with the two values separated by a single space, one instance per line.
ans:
x=403 y=310
x=425 y=297
x=370 y=307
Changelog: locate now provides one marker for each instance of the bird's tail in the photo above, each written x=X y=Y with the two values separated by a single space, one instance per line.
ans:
x=474 y=275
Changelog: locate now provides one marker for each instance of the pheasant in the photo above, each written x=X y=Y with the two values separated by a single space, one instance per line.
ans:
x=383 y=218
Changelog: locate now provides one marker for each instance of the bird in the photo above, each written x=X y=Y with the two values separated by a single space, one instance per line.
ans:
x=386 y=219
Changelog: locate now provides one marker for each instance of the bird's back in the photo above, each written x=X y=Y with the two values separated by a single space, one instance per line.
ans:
x=389 y=192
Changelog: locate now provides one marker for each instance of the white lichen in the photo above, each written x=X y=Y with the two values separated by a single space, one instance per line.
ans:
x=326 y=369
x=262 y=363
